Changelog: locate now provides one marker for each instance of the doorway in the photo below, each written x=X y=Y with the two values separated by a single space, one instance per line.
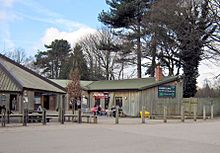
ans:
x=46 y=102
x=13 y=102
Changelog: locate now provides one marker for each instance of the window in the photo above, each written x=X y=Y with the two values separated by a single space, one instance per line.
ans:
x=97 y=102
x=118 y=101
x=106 y=103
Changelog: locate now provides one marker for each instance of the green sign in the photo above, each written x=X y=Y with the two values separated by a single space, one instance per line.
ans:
x=167 y=91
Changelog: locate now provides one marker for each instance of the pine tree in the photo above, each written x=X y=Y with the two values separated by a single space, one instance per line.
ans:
x=127 y=14
x=79 y=62
x=53 y=61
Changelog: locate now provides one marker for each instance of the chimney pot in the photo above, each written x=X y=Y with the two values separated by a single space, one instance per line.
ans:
x=158 y=73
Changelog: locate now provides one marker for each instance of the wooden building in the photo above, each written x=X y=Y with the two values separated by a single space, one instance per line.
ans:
x=132 y=94
x=15 y=80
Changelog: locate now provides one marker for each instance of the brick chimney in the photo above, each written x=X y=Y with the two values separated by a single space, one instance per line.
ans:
x=158 y=73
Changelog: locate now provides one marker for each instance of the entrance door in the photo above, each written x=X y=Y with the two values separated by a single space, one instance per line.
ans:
x=46 y=102
x=13 y=102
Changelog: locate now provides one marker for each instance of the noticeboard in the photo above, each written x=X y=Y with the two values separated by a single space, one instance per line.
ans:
x=167 y=91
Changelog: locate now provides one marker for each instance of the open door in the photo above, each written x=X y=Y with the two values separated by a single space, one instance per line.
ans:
x=13 y=102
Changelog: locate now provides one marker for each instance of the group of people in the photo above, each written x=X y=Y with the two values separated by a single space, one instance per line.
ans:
x=98 y=110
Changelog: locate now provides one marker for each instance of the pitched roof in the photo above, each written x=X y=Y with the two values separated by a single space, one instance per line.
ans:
x=64 y=83
x=25 y=78
x=127 y=84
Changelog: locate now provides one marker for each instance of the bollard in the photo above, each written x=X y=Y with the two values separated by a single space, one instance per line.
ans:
x=117 y=115
x=165 y=114
x=204 y=113
x=182 y=113
x=212 y=111
x=143 y=113
x=195 y=113
x=44 y=117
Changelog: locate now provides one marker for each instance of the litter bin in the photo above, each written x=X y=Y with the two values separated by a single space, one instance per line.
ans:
x=146 y=114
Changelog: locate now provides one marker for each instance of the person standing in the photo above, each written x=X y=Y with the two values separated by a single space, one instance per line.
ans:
x=14 y=104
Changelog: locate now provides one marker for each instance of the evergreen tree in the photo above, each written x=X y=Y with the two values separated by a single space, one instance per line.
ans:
x=79 y=62
x=53 y=61
x=191 y=28
x=127 y=14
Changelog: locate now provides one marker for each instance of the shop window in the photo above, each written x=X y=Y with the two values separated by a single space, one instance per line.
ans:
x=118 y=101
x=106 y=103
x=97 y=101
x=37 y=102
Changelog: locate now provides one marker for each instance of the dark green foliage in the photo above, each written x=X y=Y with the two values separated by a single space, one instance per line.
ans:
x=193 y=36
x=127 y=14
x=79 y=62
x=53 y=61
x=124 y=13
x=191 y=27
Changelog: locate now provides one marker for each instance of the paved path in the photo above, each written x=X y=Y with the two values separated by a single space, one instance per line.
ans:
x=130 y=136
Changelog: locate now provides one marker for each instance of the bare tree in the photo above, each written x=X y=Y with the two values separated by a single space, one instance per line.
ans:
x=105 y=53
x=19 y=55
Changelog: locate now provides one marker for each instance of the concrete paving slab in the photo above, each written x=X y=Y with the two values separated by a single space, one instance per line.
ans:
x=129 y=136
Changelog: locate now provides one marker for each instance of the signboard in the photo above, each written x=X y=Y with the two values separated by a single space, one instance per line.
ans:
x=100 y=95
x=167 y=91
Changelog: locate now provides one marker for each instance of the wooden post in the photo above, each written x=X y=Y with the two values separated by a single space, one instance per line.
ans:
x=182 y=113
x=143 y=113
x=165 y=114
x=79 y=116
x=3 y=117
x=73 y=108
x=44 y=117
x=195 y=112
x=204 y=113
x=8 y=116
x=25 y=117
x=212 y=111
x=117 y=115
x=62 y=116
x=62 y=108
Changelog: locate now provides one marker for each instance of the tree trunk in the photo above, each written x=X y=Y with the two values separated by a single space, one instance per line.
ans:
x=139 y=53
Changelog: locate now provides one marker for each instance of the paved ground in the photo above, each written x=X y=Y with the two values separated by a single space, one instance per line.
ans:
x=130 y=136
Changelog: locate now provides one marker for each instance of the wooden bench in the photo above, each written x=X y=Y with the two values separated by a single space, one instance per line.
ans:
x=36 y=117
x=87 y=116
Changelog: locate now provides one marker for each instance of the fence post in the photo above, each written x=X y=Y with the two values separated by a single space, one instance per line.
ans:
x=62 y=116
x=195 y=113
x=117 y=115
x=182 y=113
x=212 y=110
x=165 y=114
x=3 y=118
x=204 y=112
x=143 y=113
x=8 y=116
x=79 y=116
x=44 y=117
x=25 y=117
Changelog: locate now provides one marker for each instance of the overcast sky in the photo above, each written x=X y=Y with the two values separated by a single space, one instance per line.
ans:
x=29 y=24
